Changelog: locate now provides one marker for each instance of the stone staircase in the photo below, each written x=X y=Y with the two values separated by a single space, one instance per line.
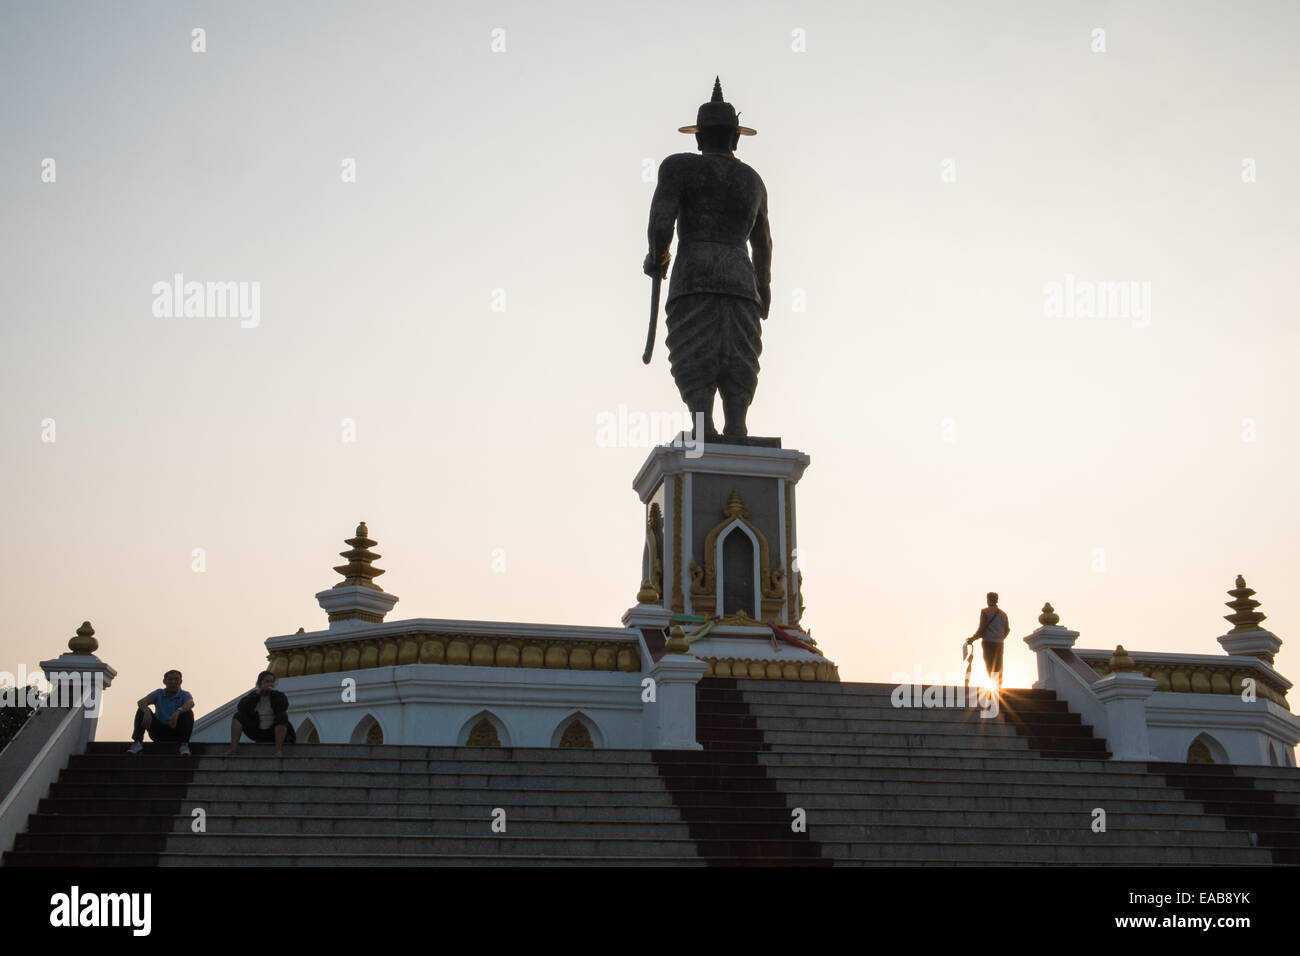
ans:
x=351 y=805
x=886 y=786
x=876 y=784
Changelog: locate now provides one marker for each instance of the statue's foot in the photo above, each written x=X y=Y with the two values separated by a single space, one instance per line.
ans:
x=704 y=429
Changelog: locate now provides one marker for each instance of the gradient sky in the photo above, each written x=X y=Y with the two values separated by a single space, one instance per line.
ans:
x=523 y=171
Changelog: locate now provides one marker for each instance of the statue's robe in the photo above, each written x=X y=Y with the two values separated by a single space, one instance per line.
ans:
x=716 y=296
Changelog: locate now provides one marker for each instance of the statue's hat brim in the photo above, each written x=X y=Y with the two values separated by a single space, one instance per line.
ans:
x=742 y=130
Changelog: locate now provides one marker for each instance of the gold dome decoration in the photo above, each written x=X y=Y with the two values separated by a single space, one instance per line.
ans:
x=84 y=642
x=677 y=641
x=1120 y=661
x=1049 y=617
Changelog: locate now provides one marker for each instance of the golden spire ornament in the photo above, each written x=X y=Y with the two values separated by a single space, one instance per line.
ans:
x=360 y=570
x=1245 y=617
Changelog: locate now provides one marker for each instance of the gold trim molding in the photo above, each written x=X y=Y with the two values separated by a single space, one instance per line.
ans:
x=363 y=653
x=1194 y=678
x=771 y=670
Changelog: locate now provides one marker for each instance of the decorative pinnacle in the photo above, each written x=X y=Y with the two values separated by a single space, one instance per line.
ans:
x=360 y=568
x=649 y=594
x=84 y=642
x=677 y=640
x=717 y=90
x=735 y=507
x=1120 y=662
x=1246 y=617
x=1049 y=617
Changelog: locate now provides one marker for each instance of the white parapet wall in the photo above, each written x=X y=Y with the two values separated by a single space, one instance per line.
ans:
x=33 y=760
x=1236 y=713
x=1252 y=733
x=529 y=682
x=440 y=704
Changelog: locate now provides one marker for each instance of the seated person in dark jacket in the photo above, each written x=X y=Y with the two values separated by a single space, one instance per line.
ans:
x=263 y=715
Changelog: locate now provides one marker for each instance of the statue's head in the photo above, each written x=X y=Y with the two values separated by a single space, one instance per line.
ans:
x=715 y=138
x=717 y=124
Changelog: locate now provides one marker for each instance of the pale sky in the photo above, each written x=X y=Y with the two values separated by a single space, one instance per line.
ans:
x=931 y=170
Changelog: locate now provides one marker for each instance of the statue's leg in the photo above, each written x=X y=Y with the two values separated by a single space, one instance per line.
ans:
x=692 y=352
x=700 y=404
x=735 y=406
x=738 y=375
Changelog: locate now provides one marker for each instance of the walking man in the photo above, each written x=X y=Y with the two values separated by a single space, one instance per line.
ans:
x=992 y=631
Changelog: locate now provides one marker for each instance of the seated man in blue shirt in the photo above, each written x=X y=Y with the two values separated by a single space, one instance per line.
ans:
x=171 y=719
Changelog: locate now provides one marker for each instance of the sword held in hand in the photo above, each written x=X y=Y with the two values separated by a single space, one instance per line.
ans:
x=656 y=278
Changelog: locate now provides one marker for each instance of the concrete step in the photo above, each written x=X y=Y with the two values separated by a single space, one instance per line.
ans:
x=653 y=827
x=303 y=760
x=962 y=730
x=996 y=854
x=507 y=778
x=787 y=705
x=847 y=688
x=469 y=805
x=365 y=753
x=371 y=843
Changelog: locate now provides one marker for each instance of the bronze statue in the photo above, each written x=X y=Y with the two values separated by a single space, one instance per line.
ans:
x=717 y=297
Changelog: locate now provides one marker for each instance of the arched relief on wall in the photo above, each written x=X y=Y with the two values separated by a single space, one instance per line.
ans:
x=707 y=587
x=577 y=730
x=367 y=731
x=307 y=732
x=484 y=729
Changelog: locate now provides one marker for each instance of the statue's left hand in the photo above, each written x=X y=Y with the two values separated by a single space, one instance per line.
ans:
x=651 y=269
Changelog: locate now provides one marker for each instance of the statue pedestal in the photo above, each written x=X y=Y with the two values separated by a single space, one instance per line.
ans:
x=721 y=546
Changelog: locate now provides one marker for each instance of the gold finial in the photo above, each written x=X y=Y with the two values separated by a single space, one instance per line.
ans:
x=301 y=631
x=677 y=640
x=648 y=594
x=360 y=568
x=1120 y=662
x=735 y=507
x=1245 y=618
x=1049 y=617
x=84 y=642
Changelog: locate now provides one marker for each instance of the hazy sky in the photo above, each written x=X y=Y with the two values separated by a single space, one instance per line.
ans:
x=932 y=170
